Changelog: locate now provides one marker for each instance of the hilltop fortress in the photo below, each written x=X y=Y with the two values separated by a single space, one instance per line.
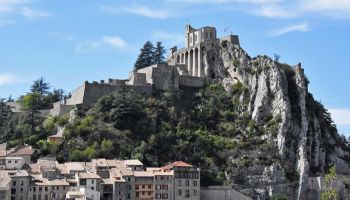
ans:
x=184 y=68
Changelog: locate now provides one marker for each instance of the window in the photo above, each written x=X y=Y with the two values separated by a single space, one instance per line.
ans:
x=143 y=193
x=92 y=181
x=20 y=198
x=195 y=192
x=137 y=194
x=164 y=187
x=157 y=187
x=34 y=197
x=13 y=191
x=129 y=187
x=143 y=186
x=149 y=193
x=179 y=183
x=179 y=192
x=194 y=183
x=129 y=196
x=136 y=187
x=22 y=183
x=187 y=183
x=46 y=197
x=64 y=187
x=21 y=190
x=15 y=161
x=164 y=196
x=92 y=188
x=149 y=186
x=158 y=196
x=34 y=189
x=119 y=192
x=46 y=189
x=40 y=189
x=9 y=161
x=82 y=181
x=58 y=187
x=14 y=183
x=187 y=193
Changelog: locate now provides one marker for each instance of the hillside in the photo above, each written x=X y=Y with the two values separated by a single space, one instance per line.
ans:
x=254 y=126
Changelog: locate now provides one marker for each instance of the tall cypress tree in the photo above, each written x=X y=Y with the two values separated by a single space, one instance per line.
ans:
x=159 y=54
x=146 y=57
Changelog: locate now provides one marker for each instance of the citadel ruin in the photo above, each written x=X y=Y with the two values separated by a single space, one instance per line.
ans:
x=184 y=68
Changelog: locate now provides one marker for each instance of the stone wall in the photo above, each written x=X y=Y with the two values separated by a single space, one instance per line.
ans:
x=233 y=39
x=191 y=81
x=59 y=108
x=221 y=193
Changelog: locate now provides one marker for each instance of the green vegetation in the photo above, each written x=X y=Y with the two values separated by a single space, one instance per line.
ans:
x=150 y=55
x=329 y=191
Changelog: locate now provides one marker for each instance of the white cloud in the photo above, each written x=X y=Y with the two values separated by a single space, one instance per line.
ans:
x=303 y=27
x=170 y=38
x=334 y=8
x=151 y=13
x=6 y=79
x=340 y=116
x=104 y=42
x=274 y=11
x=8 y=6
x=32 y=14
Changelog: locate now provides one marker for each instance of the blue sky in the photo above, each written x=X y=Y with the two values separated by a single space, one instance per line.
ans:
x=68 y=42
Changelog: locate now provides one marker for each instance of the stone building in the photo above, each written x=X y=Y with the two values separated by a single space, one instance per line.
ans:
x=19 y=184
x=186 y=180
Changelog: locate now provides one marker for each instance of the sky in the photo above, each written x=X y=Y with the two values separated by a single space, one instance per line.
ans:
x=68 y=42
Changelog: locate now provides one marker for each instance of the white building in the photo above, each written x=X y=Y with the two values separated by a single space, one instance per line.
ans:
x=89 y=184
x=14 y=162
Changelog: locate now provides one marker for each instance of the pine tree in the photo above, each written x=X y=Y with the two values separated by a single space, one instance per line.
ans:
x=40 y=86
x=159 y=54
x=146 y=57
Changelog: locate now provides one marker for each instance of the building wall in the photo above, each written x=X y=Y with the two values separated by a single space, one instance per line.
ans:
x=144 y=188
x=14 y=163
x=130 y=185
x=90 y=187
x=48 y=192
x=120 y=190
x=19 y=187
x=191 y=81
x=163 y=187
x=187 y=183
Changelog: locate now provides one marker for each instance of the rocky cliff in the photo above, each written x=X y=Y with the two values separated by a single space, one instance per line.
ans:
x=307 y=139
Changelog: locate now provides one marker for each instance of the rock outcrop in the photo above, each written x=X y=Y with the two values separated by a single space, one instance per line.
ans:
x=307 y=140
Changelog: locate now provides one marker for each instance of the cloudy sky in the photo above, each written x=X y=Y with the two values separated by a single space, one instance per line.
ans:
x=68 y=42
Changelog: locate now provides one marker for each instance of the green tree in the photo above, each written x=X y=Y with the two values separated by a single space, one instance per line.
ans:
x=58 y=95
x=146 y=56
x=329 y=192
x=40 y=86
x=31 y=104
x=159 y=54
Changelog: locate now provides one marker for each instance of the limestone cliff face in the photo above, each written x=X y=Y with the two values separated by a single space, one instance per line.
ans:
x=307 y=141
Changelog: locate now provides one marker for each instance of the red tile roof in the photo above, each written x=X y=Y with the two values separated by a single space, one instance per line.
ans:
x=177 y=164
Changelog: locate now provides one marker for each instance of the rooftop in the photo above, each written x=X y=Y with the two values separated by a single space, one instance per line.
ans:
x=133 y=163
x=89 y=176
x=177 y=164
x=143 y=174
